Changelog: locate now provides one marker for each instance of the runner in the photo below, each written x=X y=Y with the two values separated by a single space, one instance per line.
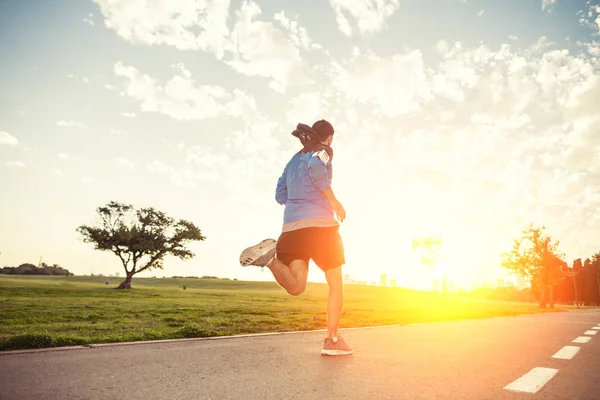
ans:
x=310 y=228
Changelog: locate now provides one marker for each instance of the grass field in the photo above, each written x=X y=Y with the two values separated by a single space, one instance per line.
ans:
x=38 y=311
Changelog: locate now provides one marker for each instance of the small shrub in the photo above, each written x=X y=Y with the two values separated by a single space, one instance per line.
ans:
x=38 y=341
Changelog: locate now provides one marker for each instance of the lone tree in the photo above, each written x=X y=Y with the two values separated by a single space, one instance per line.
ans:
x=536 y=257
x=140 y=238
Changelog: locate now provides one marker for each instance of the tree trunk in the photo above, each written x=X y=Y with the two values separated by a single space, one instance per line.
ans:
x=598 y=282
x=576 y=294
x=543 y=295
x=551 y=297
x=126 y=284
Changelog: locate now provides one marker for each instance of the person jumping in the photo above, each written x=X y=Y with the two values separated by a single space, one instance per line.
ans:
x=310 y=228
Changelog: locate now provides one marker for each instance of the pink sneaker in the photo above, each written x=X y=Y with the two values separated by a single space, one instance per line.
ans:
x=335 y=348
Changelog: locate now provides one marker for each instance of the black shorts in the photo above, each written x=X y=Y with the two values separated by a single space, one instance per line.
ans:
x=322 y=245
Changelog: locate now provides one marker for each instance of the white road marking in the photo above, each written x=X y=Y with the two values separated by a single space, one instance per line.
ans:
x=532 y=381
x=567 y=352
x=582 y=339
x=596 y=328
x=591 y=333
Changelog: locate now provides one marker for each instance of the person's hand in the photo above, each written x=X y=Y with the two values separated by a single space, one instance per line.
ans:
x=339 y=210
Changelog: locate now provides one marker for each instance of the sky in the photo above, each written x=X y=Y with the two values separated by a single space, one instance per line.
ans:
x=459 y=119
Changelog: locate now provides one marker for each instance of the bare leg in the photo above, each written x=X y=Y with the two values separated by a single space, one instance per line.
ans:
x=335 y=300
x=293 y=277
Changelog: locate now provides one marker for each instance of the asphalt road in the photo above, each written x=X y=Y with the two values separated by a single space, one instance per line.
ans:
x=473 y=359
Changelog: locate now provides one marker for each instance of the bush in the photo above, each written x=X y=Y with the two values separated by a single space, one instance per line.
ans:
x=38 y=341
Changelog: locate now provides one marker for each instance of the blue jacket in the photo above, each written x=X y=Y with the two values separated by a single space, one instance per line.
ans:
x=299 y=187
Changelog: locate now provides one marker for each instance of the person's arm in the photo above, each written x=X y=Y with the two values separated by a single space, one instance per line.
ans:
x=317 y=170
x=281 y=190
x=335 y=203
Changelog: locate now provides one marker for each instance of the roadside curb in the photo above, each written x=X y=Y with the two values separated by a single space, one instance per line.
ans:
x=24 y=351
x=163 y=341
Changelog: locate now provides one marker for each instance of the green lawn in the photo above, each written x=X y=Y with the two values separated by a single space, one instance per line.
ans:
x=38 y=311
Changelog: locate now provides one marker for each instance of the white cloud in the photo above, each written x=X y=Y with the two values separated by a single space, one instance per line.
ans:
x=57 y=171
x=89 y=21
x=481 y=119
x=18 y=164
x=71 y=124
x=305 y=108
x=180 y=97
x=64 y=156
x=542 y=44
x=195 y=165
x=118 y=132
x=367 y=15
x=252 y=48
x=129 y=114
x=591 y=18
x=454 y=74
x=242 y=105
x=261 y=49
x=396 y=84
x=246 y=174
x=85 y=79
x=8 y=139
x=548 y=5
x=186 y=25
x=298 y=34
x=157 y=167
x=236 y=168
x=441 y=47
x=125 y=162
x=480 y=13
x=109 y=87
x=517 y=138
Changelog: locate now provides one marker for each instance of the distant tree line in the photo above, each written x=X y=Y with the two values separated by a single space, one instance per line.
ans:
x=30 y=269
x=581 y=282
x=198 y=277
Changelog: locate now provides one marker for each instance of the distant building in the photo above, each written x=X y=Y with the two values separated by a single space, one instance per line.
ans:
x=450 y=286
x=383 y=280
x=392 y=283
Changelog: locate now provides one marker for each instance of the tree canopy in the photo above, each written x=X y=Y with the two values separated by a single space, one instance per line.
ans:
x=140 y=238
x=536 y=257
x=429 y=250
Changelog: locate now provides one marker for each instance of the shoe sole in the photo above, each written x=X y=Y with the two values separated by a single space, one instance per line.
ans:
x=253 y=253
x=335 y=352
